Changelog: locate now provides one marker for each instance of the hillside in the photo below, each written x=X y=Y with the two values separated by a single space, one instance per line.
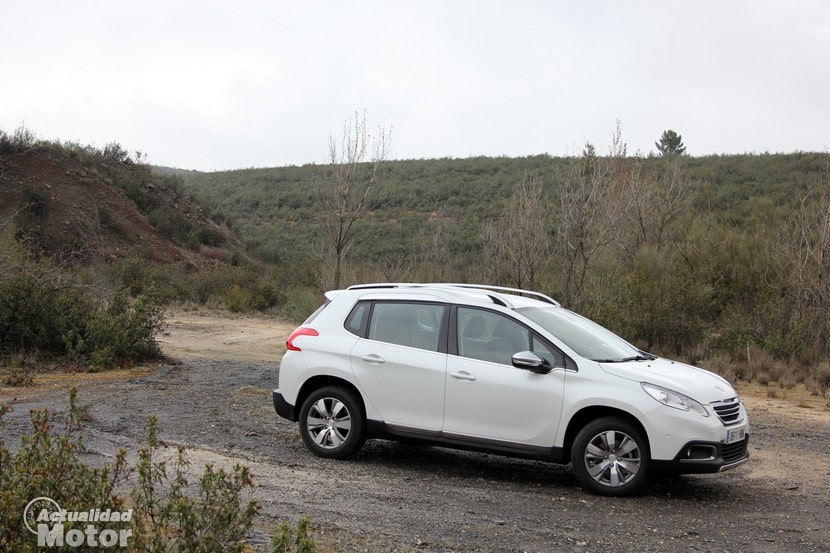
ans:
x=721 y=257
x=460 y=194
x=687 y=256
x=85 y=209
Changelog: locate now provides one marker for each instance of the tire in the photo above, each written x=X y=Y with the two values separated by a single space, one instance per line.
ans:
x=332 y=423
x=610 y=456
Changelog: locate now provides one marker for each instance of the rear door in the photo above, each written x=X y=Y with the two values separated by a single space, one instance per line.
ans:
x=400 y=362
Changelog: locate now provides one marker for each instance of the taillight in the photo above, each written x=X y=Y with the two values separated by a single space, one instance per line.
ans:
x=301 y=331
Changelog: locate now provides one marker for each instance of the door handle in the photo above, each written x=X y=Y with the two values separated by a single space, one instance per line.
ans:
x=373 y=358
x=463 y=375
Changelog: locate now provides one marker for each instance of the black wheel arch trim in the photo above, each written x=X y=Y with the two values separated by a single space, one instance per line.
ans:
x=283 y=408
x=588 y=414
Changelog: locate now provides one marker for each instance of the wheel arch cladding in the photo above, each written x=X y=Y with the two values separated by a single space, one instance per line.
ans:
x=321 y=381
x=588 y=414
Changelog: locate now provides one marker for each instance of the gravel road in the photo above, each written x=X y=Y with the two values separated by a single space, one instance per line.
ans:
x=393 y=497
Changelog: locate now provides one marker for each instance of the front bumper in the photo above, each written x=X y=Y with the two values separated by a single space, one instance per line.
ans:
x=282 y=407
x=700 y=457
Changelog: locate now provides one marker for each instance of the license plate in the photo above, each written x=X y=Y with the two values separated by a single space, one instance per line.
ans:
x=735 y=435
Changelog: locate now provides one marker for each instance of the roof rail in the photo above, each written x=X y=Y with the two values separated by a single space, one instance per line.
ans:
x=486 y=287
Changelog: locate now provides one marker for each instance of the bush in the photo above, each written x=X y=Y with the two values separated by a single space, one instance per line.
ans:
x=17 y=376
x=293 y=540
x=300 y=304
x=46 y=464
x=124 y=332
x=237 y=299
x=139 y=277
x=171 y=521
x=21 y=140
x=65 y=322
x=35 y=316
x=164 y=517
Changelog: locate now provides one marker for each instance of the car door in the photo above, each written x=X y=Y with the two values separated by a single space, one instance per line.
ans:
x=486 y=397
x=401 y=363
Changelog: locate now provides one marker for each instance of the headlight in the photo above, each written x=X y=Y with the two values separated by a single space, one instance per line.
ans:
x=674 y=399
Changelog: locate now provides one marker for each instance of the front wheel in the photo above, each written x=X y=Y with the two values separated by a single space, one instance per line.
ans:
x=332 y=424
x=610 y=456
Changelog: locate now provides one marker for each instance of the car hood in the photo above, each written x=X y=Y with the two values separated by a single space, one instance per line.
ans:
x=699 y=384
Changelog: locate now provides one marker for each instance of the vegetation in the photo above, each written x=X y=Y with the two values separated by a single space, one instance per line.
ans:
x=47 y=313
x=348 y=187
x=167 y=519
x=164 y=518
x=692 y=257
x=670 y=143
x=293 y=540
x=701 y=258
x=47 y=464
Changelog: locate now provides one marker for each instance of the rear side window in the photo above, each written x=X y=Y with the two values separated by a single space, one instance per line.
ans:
x=358 y=318
x=412 y=324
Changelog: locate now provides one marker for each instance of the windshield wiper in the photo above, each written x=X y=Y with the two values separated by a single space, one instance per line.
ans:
x=641 y=357
x=638 y=358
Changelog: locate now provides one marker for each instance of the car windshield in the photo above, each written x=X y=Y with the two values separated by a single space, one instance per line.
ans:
x=584 y=336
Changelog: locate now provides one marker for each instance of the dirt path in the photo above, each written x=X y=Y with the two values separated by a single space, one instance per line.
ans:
x=215 y=399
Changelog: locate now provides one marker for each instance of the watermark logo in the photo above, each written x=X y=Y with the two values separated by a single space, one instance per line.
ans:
x=44 y=517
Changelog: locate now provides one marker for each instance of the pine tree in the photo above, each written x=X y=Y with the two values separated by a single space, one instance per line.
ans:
x=670 y=143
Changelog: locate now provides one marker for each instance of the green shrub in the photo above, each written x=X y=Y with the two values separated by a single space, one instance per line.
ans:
x=237 y=299
x=300 y=304
x=66 y=322
x=166 y=519
x=20 y=140
x=46 y=464
x=35 y=316
x=17 y=376
x=139 y=276
x=115 y=153
x=293 y=540
x=124 y=332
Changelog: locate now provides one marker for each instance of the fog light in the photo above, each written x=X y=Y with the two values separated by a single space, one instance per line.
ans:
x=701 y=453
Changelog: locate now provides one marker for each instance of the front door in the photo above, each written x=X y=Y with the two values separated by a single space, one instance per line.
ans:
x=488 y=398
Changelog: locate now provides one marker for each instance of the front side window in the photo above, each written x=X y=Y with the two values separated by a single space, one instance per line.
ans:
x=552 y=355
x=489 y=336
x=412 y=324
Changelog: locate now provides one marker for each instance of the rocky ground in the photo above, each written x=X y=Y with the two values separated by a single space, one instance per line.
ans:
x=213 y=397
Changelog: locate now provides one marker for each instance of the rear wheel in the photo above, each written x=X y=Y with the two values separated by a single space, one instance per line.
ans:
x=332 y=424
x=610 y=456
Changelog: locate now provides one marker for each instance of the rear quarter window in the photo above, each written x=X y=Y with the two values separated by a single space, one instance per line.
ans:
x=358 y=318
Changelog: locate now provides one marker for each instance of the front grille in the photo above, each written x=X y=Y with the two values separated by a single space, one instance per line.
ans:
x=728 y=411
x=733 y=452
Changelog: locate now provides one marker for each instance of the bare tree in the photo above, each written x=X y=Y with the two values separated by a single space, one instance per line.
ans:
x=588 y=217
x=518 y=245
x=350 y=184
x=808 y=253
x=434 y=259
x=650 y=203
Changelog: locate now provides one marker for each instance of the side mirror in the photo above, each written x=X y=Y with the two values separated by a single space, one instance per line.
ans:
x=531 y=362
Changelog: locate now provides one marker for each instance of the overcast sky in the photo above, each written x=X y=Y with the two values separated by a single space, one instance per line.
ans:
x=221 y=85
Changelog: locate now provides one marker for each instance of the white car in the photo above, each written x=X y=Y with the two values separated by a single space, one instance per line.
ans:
x=503 y=371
